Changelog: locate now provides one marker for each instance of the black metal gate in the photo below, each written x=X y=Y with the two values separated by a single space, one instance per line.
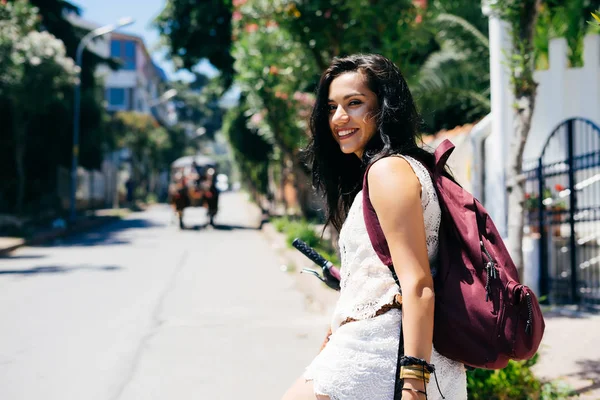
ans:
x=563 y=211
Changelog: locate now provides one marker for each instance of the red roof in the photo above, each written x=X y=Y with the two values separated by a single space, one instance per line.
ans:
x=448 y=134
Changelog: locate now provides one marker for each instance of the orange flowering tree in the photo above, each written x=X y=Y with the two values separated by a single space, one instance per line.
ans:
x=279 y=48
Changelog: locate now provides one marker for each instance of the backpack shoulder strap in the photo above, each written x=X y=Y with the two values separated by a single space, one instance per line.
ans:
x=441 y=154
x=373 y=227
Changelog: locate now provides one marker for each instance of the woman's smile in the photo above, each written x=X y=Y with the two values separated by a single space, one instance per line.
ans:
x=346 y=133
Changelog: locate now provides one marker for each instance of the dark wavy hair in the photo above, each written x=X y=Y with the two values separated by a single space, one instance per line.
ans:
x=338 y=176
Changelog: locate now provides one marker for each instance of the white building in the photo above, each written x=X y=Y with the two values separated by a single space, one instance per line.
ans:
x=138 y=83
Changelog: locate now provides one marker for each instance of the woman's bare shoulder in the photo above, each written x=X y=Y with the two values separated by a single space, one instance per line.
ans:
x=393 y=175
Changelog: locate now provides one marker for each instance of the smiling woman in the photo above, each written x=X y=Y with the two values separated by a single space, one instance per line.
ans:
x=364 y=121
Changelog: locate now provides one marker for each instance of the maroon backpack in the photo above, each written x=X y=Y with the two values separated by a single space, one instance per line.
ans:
x=483 y=315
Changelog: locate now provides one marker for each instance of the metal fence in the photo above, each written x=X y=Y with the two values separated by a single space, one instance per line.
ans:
x=563 y=211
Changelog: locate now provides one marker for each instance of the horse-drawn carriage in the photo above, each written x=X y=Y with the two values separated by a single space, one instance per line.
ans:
x=192 y=184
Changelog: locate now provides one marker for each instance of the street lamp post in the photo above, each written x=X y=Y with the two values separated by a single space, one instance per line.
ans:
x=78 y=60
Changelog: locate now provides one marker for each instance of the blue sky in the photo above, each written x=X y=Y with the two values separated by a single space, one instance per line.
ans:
x=104 y=12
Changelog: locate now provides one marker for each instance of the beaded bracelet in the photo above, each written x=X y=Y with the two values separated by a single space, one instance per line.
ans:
x=408 y=361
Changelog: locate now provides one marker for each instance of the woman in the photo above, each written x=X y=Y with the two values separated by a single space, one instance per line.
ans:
x=364 y=116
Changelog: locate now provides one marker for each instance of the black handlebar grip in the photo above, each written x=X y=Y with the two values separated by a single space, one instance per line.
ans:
x=310 y=253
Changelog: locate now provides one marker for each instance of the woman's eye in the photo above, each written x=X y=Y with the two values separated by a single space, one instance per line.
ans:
x=331 y=108
x=355 y=102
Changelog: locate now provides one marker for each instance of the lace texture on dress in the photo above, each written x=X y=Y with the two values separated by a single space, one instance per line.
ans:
x=366 y=282
x=359 y=361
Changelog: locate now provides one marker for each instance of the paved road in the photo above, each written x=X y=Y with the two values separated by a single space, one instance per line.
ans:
x=141 y=310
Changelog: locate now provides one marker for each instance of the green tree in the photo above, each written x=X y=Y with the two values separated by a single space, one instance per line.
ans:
x=566 y=19
x=453 y=85
x=50 y=127
x=197 y=105
x=35 y=72
x=197 y=29
x=148 y=143
x=52 y=17
x=251 y=150
x=521 y=16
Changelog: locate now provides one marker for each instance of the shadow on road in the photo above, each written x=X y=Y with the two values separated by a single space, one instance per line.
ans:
x=590 y=371
x=22 y=257
x=108 y=235
x=55 y=269
x=221 y=227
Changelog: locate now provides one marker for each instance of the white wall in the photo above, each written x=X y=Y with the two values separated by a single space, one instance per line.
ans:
x=121 y=78
x=564 y=92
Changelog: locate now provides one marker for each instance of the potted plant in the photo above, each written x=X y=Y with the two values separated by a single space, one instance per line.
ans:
x=552 y=205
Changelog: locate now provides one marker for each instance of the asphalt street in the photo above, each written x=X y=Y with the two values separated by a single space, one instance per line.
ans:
x=140 y=310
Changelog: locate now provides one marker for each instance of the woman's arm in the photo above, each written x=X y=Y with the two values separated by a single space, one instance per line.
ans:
x=395 y=192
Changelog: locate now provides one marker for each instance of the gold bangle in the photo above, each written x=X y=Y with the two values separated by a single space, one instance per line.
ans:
x=410 y=374
x=415 y=369
x=426 y=375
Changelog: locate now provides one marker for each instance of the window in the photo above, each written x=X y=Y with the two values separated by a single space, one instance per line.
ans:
x=115 y=49
x=116 y=97
x=129 y=55
x=125 y=51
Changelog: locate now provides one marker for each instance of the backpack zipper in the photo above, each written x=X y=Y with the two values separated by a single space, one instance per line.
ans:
x=529 y=323
x=491 y=271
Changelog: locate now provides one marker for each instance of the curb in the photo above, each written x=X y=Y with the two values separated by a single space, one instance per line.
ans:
x=46 y=236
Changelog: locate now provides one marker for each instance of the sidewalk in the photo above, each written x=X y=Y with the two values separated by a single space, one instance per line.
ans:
x=94 y=219
x=569 y=351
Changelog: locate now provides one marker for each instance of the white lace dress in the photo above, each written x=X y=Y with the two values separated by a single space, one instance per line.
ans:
x=359 y=361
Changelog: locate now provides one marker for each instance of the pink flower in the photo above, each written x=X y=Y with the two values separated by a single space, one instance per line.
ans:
x=304 y=98
x=238 y=3
x=236 y=16
x=256 y=118
x=251 y=28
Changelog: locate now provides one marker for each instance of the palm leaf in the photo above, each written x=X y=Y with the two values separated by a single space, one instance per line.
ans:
x=455 y=20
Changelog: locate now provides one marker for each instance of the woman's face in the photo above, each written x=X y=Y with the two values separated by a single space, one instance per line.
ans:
x=352 y=106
